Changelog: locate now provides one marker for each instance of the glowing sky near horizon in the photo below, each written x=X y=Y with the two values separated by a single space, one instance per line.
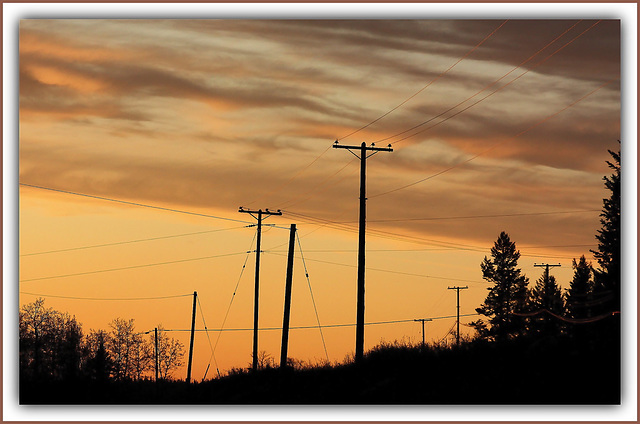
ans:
x=208 y=115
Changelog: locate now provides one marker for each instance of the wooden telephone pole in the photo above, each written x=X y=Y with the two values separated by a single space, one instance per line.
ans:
x=258 y=215
x=457 y=289
x=193 y=332
x=287 y=298
x=361 y=237
x=422 y=320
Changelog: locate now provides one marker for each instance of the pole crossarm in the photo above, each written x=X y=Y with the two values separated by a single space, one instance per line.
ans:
x=547 y=266
x=422 y=320
x=366 y=148
x=259 y=211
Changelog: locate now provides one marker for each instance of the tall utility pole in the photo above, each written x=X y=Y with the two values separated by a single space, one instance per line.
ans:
x=193 y=333
x=287 y=298
x=258 y=216
x=423 y=320
x=361 y=237
x=457 y=289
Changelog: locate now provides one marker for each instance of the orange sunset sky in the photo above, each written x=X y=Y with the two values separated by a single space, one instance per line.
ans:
x=496 y=125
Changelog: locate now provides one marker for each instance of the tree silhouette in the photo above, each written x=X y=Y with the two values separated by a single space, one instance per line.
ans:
x=49 y=343
x=607 y=276
x=546 y=296
x=98 y=362
x=580 y=292
x=508 y=294
x=170 y=353
x=121 y=345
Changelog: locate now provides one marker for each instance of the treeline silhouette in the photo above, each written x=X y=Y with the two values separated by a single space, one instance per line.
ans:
x=53 y=349
x=534 y=345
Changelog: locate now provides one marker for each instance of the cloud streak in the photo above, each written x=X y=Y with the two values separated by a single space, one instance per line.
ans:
x=178 y=109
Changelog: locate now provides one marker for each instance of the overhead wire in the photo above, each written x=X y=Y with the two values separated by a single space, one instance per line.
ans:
x=129 y=267
x=125 y=202
x=290 y=180
x=492 y=93
x=235 y=290
x=315 y=190
x=129 y=241
x=569 y=320
x=408 y=239
x=384 y=270
x=312 y=327
x=486 y=88
x=213 y=355
x=428 y=84
x=477 y=93
x=506 y=215
x=313 y=300
x=459 y=164
x=106 y=298
x=286 y=183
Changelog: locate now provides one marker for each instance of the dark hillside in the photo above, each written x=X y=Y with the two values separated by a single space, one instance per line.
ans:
x=523 y=371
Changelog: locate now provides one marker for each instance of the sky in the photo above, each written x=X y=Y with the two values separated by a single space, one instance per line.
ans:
x=140 y=139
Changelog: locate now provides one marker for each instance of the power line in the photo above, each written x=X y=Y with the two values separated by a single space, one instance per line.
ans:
x=569 y=320
x=426 y=86
x=313 y=327
x=106 y=298
x=399 y=237
x=313 y=300
x=383 y=270
x=483 y=89
x=479 y=216
x=286 y=183
x=314 y=191
x=540 y=122
x=213 y=355
x=130 y=241
x=132 y=203
x=235 y=290
x=129 y=267
x=490 y=94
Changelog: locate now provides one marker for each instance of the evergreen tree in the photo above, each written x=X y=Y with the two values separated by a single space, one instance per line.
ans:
x=98 y=363
x=508 y=295
x=607 y=276
x=546 y=296
x=579 y=294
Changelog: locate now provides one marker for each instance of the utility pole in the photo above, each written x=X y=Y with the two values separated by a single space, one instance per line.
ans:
x=193 y=333
x=361 y=237
x=258 y=216
x=156 y=337
x=287 y=298
x=457 y=289
x=423 y=320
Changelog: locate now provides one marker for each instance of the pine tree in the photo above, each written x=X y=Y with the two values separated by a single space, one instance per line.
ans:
x=546 y=296
x=579 y=294
x=508 y=295
x=607 y=276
